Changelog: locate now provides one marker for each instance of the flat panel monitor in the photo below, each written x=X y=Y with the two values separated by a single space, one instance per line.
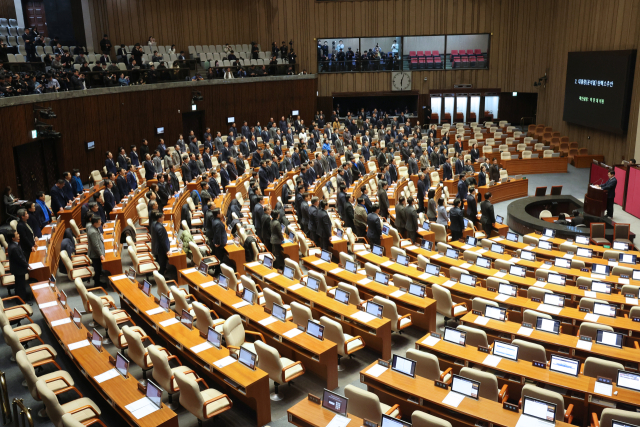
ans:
x=613 y=339
x=279 y=312
x=77 y=318
x=495 y=247
x=462 y=385
x=214 y=338
x=385 y=230
x=404 y=365
x=547 y=246
x=554 y=299
x=248 y=295
x=231 y=120
x=223 y=281
x=154 y=393
x=483 y=262
x=616 y=423
x=295 y=112
x=452 y=253
x=377 y=250
x=508 y=289
x=91 y=145
x=313 y=283
x=146 y=287
x=499 y=219
x=549 y=233
x=455 y=336
x=603 y=288
x=635 y=275
x=527 y=255
x=316 y=330
x=96 y=339
x=342 y=296
x=556 y=279
x=122 y=365
x=472 y=241
x=562 y=263
x=335 y=402
x=131 y=274
x=628 y=380
x=388 y=421
x=600 y=269
x=325 y=256
x=548 y=325
x=374 y=309
x=427 y=244
x=402 y=260
x=467 y=279
x=620 y=246
x=564 y=365
x=350 y=266
x=512 y=237
x=426 y=225
x=247 y=358
x=267 y=261
x=496 y=313
x=508 y=351
x=432 y=269
x=288 y=272
x=164 y=302
x=539 y=409
x=160 y=130
x=627 y=258
x=517 y=270
x=417 y=290
x=186 y=319
x=381 y=278
x=582 y=240
x=584 y=252
x=601 y=309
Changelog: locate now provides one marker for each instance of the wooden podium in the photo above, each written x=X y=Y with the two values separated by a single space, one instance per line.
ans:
x=595 y=201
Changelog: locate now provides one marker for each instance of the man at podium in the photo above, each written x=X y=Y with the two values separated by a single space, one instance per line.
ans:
x=610 y=186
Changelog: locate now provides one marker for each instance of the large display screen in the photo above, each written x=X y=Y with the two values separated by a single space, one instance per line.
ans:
x=598 y=89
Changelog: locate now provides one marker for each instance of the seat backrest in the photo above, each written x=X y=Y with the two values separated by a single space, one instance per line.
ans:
x=161 y=283
x=96 y=308
x=595 y=367
x=269 y=361
x=53 y=407
x=82 y=291
x=535 y=292
x=161 y=369
x=233 y=331
x=113 y=330
x=301 y=313
x=28 y=372
x=363 y=404
x=530 y=351
x=180 y=299
x=354 y=295
x=389 y=310
x=230 y=274
x=190 y=396
x=475 y=337
x=372 y=269
x=344 y=257
x=322 y=284
x=136 y=349
x=480 y=303
x=271 y=297
x=609 y=414
x=203 y=317
x=589 y=302
x=531 y=316
x=443 y=300
x=333 y=332
x=297 y=272
x=591 y=329
x=531 y=390
x=488 y=382
x=427 y=364
x=421 y=419
x=12 y=340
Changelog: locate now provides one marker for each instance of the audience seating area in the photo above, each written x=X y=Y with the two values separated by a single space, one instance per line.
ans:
x=469 y=58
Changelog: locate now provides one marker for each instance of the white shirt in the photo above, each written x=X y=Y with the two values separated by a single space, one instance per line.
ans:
x=339 y=46
x=228 y=75
x=394 y=48
x=302 y=137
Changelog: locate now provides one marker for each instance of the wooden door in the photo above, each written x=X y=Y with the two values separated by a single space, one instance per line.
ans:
x=34 y=16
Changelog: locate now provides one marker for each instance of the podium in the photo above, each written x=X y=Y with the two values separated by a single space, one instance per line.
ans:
x=595 y=201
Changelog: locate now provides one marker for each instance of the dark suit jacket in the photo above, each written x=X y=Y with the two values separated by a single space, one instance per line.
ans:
x=323 y=224
x=610 y=186
x=457 y=219
x=27 y=240
x=488 y=217
x=109 y=200
x=149 y=169
x=123 y=186
x=462 y=190
x=472 y=207
x=186 y=172
x=349 y=213
x=446 y=172
x=494 y=173
x=411 y=222
x=482 y=179
x=400 y=216
x=374 y=226
x=459 y=167
x=17 y=259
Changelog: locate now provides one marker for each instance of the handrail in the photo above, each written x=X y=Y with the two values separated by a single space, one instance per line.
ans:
x=6 y=408
x=24 y=412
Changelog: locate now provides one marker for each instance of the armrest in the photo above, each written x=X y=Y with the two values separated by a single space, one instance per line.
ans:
x=233 y=347
x=503 y=395
x=93 y=421
x=635 y=344
x=594 y=420
x=254 y=333
x=357 y=337
x=14 y=297
x=83 y=408
x=393 y=408
x=568 y=417
x=445 y=373
x=291 y=366
x=147 y=337
x=36 y=350
x=174 y=357
x=210 y=401
x=99 y=288
x=463 y=304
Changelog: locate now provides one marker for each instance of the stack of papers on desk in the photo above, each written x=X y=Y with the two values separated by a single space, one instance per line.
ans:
x=35 y=265
x=547 y=308
x=42 y=286
x=169 y=322
x=318 y=261
x=397 y=294
x=584 y=345
x=252 y=264
x=63 y=321
x=295 y=287
x=430 y=341
x=481 y=320
x=48 y=304
x=364 y=281
x=337 y=270
x=524 y=331
x=141 y=408
x=156 y=310
x=118 y=277
x=79 y=344
x=292 y=333
x=339 y=421
x=201 y=347
x=500 y=274
x=268 y=320
x=225 y=361
x=240 y=304
x=111 y=373
x=491 y=360
x=363 y=316
x=453 y=399
x=387 y=263
x=376 y=371
x=590 y=317
x=188 y=271
x=502 y=297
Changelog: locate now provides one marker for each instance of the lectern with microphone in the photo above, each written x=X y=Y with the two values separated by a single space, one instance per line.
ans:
x=595 y=201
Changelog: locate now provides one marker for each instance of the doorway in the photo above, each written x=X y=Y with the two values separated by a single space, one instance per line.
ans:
x=37 y=167
x=193 y=121
x=34 y=16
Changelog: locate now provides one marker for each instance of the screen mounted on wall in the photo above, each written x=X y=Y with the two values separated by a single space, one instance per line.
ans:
x=598 y=89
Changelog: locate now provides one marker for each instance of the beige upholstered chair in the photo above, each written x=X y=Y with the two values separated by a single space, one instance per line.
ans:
x=297 y=272
x=346 y=343
x=38 y=355
x=232 y=279
x=390 y=311
x=371 y=269
x=17 y=312
x=204 y=320
x=595 y=367
x=164 y=374
x=531 y=316
x=591 y=329
x=480 y=304
x=181 y=301
x=248 y=283
x=475 y=337
x=531 y=390
x=489 y=388
x=609 y=414
x=365 y=404
x=141 y=248
x=75 y=272
x=115 y=333
x=144 y=268
x=445 y=305
x=82 y=410
x=120 y=316
x=589 y=303
x=107 y=300
x=428 y=366
x=204 y=404
x=25 y=333
x=300 y=313
x=137 y=353
x=280 y=369
x=440 y=232
x=234 y=334
x=530 y=351
x=536 y=292
x=163 y=286
x=322 y=283
x=421 y=419
x=271 y=297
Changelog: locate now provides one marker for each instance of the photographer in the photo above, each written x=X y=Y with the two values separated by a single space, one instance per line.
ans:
x=52 y=84
x=77 y=80
x=292 y=57
x=254 y=50
x=3 y=51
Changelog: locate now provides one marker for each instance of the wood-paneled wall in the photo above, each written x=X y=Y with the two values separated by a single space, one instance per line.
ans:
x=7 y=9
x=123 y=119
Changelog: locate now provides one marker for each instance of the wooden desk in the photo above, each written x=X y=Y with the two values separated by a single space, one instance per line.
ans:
x=509 y=190
x=250 y=387
x=584 y=160
x=422 y=310
x=421 y=394
x=118 y=392
x=75 y=212
x=319 y=357
x=308 y=414
x=376 y=334
x=50 y=256
x=597 y=249
x=534 y=166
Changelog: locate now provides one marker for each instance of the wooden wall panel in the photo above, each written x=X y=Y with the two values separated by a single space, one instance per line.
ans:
x=122 y=119
x=7 y=9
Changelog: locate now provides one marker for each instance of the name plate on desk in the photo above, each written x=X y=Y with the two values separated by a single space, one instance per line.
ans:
x=534 y=299
x=527 y=325
x=538 y=364
x=584 y=309
x=491 y=289
x=384 y=363
x=367 y=423
x=484 y=349
x=510 y=407
x=586 y=338
x=436 y=335
x=441 y=385
x=584 y=288
x=605 y=380
x=314 y=399
x=635 y=319
x=476 y=312
x=630 y=296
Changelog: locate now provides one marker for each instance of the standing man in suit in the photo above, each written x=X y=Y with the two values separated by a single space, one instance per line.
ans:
x=422 y=192
x=374 y=225
x=457 y=221
x=349 y=212
x=96 y=247
x=110 y=164
x=122 y=158
x=463 y=189
x=413 y=164
x=163 y=245
x=109 y=198
x=27 y=237
x=610 y=186
x=43 y=213
x=400 y=217
x=472 y=206
x=447 y=173
x=494 y=171
x=459 y=165
x=488 y=217
x=276 y=240
x=411 y=220
x=313 y=218
x=123 y=185
x=323 y=226
x=19 y=265
x=149 y=168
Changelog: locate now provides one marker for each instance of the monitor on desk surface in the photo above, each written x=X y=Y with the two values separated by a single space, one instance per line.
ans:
x=417 y=290
x=497 y=248
x=377 y=250
x=564 y=365
x=548 y=325
x=600 y=269
x=602 y=287
x=483 y=262
x=122 y=365
x=374 y=309
x=527 y=255
x=539 y=409
x=562 y=263
x=547 y=246
x=427 y=244
x=496 y=313
x=426 y=225
x=603 y=309
x=627 y=258
x=342 y=296
x=335 y=402
x=584 y=252
x=451 y=253
x=471 y=241
x=616 y=423
x=288 y=272
x=554 y=299
x=620 y=246
x=402 y=260
x=512 y=237
x=267 y=262
x=214 y=338
x=350 y=266
x=612 y=339
x=508 y=289
x=247 y=358
x=381 y=278
x=404 y=365
x=454 y=336
x=154 y=393
x=315 y=329
x=499 y=219
x=516 y=270
x=505 y=350
x=466 y=386
x=388 y=421
x=582 y=240
x=313 y=284
x=549 y=233
x=556 y=279
x=467 y=279
x=432 y=269
x=628 y=380
x=279 y=312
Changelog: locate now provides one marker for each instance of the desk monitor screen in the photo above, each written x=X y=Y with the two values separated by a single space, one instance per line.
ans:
x=316 y=330
x=620 y=246
x=582 y=240
x=627 y=258
x=472 y=241
x=313 y=284
x=267 y=262
x=603 y=288
x=381 y=278
x=562 y=263
x=426 y=225
x=483 y=262
x=385 y=230
x=600 y=269
x=628 y=380
x=186 y=319
x=495 y=313
x=247 y=358
x=96 y=339
x=512 y=237
x=378 y=250
x=63 y=298
x=432 y=269
x=154 y=393
x=427 y=244
x=214 y=338
x=350 y=266
x=527 y=255
x=77 y=318
x=517 y=270
x=556 y=279
x=288 y=272
x=230 y=120
x=564 y=365
x=402 y=260
x=131 y=274
x=203 y=268
x=499 y=249
x=164 y=302
x=404 y=366
x=539 y=409
x=122 y=365
x=635 y=275
x=547 y=246
x=549 y=233
x=612 y=339
x=452 y=253
x=388 y=421
x=554 y=299
x=616 y=423
x=467 y=279
x=146 y=287
x=584 y=252
x=505 y=350
x=334 y=402
x=325 y=256
x=455 y=336
x=462 y=385
x=499 y=219
x=466 y=222
x=548 y=325
x=417 y=290
x=374 y=309
x=223 y=281
x=279 y=312
x=604 y=309
x=339 y=234
x=248 y=295
x=342 y=296
x=507 y=289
